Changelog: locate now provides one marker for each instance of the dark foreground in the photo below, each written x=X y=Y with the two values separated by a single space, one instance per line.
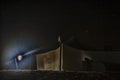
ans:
x=54 y=75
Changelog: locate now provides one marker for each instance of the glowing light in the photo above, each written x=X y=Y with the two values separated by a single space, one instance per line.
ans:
x=19 y=57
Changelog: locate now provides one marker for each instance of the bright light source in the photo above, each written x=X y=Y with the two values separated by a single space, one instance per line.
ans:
x=19 y=57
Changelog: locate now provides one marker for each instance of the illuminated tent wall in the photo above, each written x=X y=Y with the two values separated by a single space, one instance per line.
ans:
x=73 y=59
x=49 y=60
x=64 y=58
x=67 y=58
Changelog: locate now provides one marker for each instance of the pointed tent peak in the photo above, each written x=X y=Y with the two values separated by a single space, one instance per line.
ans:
x=59 y=39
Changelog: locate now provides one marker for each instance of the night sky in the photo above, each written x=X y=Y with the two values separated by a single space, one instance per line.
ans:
x=89 y=21
x=38 y=24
